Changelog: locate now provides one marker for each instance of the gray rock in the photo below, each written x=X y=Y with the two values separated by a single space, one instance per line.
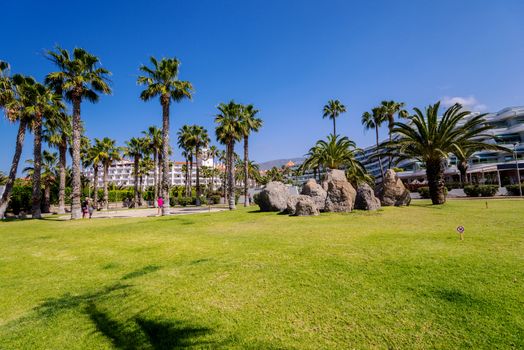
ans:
x=340 y=194
x=273 y=197
x=305 y=206
x=392 y=191
x=366 y=199
x=292 y=203
x=317 y=193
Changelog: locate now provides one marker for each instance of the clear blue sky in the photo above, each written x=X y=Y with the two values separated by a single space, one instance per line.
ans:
x=286 y=57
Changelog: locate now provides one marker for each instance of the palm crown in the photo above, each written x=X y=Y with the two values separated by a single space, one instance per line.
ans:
x=332 y=110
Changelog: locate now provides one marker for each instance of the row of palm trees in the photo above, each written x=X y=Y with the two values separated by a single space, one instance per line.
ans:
x=80 y=77
x=423 y=136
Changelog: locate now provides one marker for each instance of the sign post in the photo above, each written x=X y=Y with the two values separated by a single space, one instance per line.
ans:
x=460 y=230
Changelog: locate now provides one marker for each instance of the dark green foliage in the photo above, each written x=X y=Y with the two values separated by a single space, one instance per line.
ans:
x=513 y=190
x=480 y=190
x=424 y=192
x=20 y=199
x=214 y=199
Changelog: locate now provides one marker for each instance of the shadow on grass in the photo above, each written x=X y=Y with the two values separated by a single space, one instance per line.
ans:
x=140 y=333
x=141 y=272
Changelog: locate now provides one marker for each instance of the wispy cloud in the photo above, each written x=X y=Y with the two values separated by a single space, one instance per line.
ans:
x=469 y=103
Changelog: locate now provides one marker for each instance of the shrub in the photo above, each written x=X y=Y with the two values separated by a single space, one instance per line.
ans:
x=256 y=198
x=214 y=199
x=480 y=190
x=513 y=190
x=184 y=201
x=424 y=192
x=20 y=199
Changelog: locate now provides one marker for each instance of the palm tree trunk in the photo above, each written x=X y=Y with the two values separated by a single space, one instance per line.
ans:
x=20 y=136
x=47 y=199
x=165 y=151
x=246 y=170
x=76 y=210
x=155 y=180
x=197 y=178
x=435 y=175
x=213 y=176
x=379 y=158
x=37 y=166
x=140 y=194
x=231 y=174
x=106 y=191
x=95 y=185
x=463 y=167
x=390 y=127
x=135 y=200
x=62 y=175
x=191 y=176
x=334 y=127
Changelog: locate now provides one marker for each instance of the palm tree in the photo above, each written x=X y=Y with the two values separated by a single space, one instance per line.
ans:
x=109 y=154
x=57 y=133
x=154 y=140
x=211 y=154
x=200 y=141
x=144 y=168
x=162 y=80
x=332 y=110
x=389 y=109
x=374 y=120
x=95 y=157
x=49 y=170
x=430 y=139
x=12 y=104
x=79 y=78
x=229 y=131
x=222 y=157
x=135 y=148
x=39 y=102
x=248 y=123
x=185 y=141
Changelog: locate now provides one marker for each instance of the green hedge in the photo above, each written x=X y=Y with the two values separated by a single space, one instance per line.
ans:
x=513 y=190
x=424 y=192
x=20 y=199
x=480 y=190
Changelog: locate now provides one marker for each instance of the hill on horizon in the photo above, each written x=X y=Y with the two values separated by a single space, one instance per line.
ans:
x=279 y=162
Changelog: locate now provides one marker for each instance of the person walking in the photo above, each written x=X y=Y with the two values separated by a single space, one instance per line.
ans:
x=90 y=207
x=160 y=205
x=85 y=203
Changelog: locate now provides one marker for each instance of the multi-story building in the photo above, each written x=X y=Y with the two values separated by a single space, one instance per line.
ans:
x=121 y=174
x=494 y=167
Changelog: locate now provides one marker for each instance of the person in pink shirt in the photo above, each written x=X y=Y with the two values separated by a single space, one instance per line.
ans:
x=160 y=202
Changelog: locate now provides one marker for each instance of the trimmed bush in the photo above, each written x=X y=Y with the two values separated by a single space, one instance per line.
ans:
x=424 y=192
x=480 y=190
x=214 y=199
x=513 y=190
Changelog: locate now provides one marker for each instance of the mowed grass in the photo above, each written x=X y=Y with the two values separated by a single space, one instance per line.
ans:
x=398 y=278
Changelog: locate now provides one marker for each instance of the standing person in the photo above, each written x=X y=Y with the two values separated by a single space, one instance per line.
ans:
x=90 y=207
x=85 y=203
x=160 y=205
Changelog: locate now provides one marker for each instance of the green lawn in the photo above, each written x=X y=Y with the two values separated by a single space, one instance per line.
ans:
x=398 y=278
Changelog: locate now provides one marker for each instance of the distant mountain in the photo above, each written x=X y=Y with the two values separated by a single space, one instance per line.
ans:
x=279 y=162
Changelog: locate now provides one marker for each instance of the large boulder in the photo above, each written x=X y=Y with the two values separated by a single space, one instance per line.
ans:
x=305 y=206
x=366 y=199
x=317 y=193
x=273 y=197
x=392 y=191
x=340 y=194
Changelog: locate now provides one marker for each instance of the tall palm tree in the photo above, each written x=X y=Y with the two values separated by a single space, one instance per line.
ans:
x=79 y=78
x=248 y=123
x=332 y=110
x=95 y=157
x=145 y=166
x=110 y=153
x=39 y=102
x=11 y=102
x=222 y=157
x=154 y=140
x=430 y=139
x=211 y=154
x=135 y=148
x=194 y=138
x=389 y=109
x=229 y=131
x=185 y=142
x=57 y=133
x=161 y=80
x=49 y=170
x=374 y=120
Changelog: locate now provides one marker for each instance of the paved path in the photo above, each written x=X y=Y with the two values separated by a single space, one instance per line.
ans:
x=149 y=212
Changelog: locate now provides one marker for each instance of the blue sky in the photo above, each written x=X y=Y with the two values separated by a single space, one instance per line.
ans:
x=286 y=57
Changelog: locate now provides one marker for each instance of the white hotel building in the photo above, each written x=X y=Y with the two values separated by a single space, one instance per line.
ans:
x=121 y=174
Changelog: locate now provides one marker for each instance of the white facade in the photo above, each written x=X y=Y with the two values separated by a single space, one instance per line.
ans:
x=121 y=174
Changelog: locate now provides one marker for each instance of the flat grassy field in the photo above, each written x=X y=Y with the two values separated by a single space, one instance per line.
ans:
x=398 y=278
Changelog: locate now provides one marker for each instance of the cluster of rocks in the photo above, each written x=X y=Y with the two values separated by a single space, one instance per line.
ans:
x=335 y=194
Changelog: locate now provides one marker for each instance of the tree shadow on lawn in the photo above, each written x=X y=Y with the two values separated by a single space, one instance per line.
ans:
x=140 y=333
x=141 y=272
